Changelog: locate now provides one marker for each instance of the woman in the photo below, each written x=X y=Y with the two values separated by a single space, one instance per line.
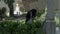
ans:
x=31 y=15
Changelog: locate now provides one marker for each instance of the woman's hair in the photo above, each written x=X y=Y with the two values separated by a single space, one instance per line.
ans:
x=31 y=14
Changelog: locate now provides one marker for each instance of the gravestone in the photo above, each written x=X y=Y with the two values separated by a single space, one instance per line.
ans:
x=2 y=4
x=50 y=23
x=59 y=6
x=59 y=12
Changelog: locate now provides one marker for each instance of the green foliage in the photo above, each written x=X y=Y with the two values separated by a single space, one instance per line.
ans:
x=40 y=12
x=57 y=21
x=10 y=27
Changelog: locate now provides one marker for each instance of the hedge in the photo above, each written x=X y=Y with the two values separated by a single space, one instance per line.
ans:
x=11 y=27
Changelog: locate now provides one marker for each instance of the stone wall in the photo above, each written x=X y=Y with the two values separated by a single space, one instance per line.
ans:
x=38 y=4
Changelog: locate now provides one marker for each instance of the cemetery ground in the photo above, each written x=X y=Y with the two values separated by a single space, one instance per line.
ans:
x=18 y=26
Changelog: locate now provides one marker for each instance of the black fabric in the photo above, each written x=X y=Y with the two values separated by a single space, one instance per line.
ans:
x=31 y=14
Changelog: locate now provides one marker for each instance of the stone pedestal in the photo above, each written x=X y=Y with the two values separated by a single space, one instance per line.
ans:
x=50 y=23
x=59 y=11
x=50 y=27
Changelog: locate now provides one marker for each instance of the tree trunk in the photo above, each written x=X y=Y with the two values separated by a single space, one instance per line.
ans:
x=11 y=8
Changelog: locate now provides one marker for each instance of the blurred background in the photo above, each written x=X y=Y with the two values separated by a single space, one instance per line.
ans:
x=13 y=16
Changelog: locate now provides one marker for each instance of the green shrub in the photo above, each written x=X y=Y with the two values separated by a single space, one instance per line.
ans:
x=40 y=12
x=10 y=27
